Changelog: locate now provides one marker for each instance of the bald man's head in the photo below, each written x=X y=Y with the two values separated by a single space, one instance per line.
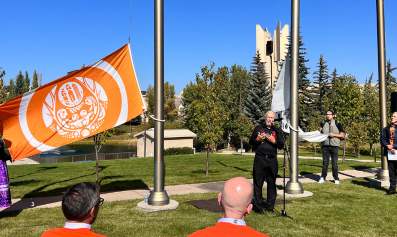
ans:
x=236 y=198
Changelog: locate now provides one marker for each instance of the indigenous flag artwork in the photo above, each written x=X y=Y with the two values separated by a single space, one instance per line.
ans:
x=93 y=99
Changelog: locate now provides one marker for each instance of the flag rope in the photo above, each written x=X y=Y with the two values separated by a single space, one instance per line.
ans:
x=129 y=33
x=156 y=119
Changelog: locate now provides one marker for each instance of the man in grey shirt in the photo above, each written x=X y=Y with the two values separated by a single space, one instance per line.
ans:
x=331 y=145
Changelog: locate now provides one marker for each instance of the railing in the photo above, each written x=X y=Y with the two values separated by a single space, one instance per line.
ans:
x=83 y=157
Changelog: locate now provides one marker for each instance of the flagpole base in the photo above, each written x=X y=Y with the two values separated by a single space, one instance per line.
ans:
x=158 y=198
x=383 y=175
x=294 y=188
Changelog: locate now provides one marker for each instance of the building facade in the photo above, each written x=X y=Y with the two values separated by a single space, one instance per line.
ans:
x=272 y=50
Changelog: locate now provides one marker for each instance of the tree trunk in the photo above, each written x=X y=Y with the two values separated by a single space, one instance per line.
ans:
x=97 y=161
x=229 y=137
x=241 y=149
x=344 y=149
x=208 y=159
x=370 y=149
x=375 y=145
x=315 y=149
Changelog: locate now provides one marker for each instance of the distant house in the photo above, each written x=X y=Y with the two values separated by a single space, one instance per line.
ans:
x=172 y=138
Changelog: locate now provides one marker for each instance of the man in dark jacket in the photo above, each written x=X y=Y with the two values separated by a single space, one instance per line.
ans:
x=389 y=142
x=266 y=139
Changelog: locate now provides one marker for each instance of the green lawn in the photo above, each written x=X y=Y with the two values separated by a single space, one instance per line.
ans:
x=53 y=179
x=352 y=208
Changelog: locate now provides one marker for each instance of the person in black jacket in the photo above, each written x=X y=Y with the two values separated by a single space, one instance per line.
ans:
x=266 y=139
x=4 y=156
x=389 y=142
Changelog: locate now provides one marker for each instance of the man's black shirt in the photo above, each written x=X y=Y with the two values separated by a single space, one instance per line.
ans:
x=267 y=148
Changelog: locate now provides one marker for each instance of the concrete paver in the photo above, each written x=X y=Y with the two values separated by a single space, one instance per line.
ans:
x=48 y=202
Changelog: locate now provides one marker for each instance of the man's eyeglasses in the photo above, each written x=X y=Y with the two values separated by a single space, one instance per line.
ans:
x=100 y=202
x=329 y=114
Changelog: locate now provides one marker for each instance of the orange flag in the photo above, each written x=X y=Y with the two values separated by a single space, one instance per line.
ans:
x=78 y=105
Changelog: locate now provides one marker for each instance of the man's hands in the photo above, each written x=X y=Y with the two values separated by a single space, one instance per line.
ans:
x=260 y=137
x=266 y=136
x=390 y=147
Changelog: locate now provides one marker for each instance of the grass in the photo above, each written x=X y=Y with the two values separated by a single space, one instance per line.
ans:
x=351 y=209
x=52 y=179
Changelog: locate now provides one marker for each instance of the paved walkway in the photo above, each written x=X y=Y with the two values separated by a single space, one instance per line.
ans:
x=47 y=202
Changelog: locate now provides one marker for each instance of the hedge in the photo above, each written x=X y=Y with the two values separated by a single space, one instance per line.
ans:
x=178 y=151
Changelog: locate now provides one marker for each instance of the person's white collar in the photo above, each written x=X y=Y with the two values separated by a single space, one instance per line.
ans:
x=233 y=221
x=69 y=225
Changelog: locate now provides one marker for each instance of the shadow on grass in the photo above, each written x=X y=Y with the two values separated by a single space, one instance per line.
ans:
x=367 y=185
x=52 y=196
x=124 y=185
x=25 y=182
x=237 y=168
x=41 y=169
x=203 y=172
x=360 y=167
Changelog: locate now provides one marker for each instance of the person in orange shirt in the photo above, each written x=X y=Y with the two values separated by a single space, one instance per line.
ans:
x=80 y=206
x=235 y=200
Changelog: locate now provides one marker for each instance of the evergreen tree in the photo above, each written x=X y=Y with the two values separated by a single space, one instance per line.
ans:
x=321 y=87
x=18 y=87
x=304 y=88
x=259 y=92
x=26 y=83
x=333 y=78
x=391 y=84
x=2 y=84
x=35 y=82
x=11 y=90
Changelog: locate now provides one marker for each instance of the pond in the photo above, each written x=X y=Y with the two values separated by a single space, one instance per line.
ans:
x=84 y=148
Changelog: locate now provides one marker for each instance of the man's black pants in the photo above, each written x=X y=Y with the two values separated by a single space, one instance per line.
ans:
x=392 y=164
x=265 y=167
x=333 y=152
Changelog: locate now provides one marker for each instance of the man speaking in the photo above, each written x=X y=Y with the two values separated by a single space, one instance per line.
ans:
x=266 y=139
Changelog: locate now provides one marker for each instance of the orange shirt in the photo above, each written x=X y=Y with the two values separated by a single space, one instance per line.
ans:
x=61 y=232
x=227 y=229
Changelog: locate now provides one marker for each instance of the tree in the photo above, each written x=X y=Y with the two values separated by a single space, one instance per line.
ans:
x=258 y=100
x=203 y=110
x=18 y=87
x=11 y=90
x=99 y=140
x=2 y=84
x=391 y=84
x=333 y=78
x=321 y=88
x=305 y=93
x=347 y=105
x=237 y=80
x=26 y=83
x=35 y=82
x=356 y=136
x=371 y=114
x=170 y=112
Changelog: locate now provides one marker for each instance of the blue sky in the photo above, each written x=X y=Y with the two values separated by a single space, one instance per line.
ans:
x=54 y=37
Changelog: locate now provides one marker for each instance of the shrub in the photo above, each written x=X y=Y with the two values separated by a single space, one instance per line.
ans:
x=178 y=151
